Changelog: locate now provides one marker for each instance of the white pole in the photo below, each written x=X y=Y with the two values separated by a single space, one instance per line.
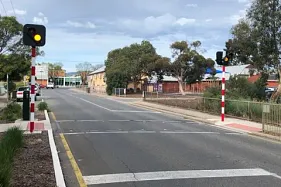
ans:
x=7 y=87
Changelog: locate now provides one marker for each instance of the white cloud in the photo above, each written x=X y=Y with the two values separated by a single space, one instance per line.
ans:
x=153 y=25
x=81 y=25
x=191 y=5
x=236 y=17
x=17 y=12
x=208 y=20
x=184 y=21
x=39 y=20
x=40 y=14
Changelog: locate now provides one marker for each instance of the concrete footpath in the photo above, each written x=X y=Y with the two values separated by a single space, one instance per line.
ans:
x=24 y=125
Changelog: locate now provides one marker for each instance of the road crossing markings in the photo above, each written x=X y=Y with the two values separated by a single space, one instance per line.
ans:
x=168 y=175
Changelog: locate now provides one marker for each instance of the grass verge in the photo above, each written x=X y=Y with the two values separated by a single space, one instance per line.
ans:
x=10 y=142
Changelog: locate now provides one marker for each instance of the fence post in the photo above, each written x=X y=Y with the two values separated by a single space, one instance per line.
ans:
x=204 y=104
x=248 y=110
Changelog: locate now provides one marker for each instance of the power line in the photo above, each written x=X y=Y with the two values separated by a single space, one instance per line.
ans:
x=3 y=7
x=64 y=60
x=13 y=8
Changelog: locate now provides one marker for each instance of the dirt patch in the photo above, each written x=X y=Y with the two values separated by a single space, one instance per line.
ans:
x=33 y=165
x=39 y=115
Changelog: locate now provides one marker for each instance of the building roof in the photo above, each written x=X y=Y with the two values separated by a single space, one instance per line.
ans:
x=231 y=71
x=165 y=79
x=100 y=70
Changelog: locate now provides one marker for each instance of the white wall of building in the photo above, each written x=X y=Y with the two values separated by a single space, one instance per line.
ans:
x=41 y=75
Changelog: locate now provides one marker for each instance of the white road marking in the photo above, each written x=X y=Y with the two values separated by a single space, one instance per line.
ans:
x=90 y=120
x=122 y=120
x=108 y=132
x=61 y=121
x=142 y=131
x=95 y=104
x=235 y=133
x=186 y=132
x=165 y=175
x=135 y=111
x=124 y=111
x=120 y=131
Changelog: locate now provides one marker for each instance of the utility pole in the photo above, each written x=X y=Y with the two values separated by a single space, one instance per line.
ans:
x=7 y=87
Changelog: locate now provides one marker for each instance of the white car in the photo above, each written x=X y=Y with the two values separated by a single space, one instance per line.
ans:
x=20 y=91
x=50 y=85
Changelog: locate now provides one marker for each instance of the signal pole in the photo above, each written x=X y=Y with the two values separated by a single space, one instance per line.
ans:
x=222 y=93
x=34 y=36
x=32 y=91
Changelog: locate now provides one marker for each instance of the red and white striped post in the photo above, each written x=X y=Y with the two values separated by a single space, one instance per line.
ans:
x=32 y=90
x=222 y=93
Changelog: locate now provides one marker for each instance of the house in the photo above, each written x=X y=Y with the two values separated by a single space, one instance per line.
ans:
x=246 y=70
x=168 y=84
x=96 y=80
x=272 y=81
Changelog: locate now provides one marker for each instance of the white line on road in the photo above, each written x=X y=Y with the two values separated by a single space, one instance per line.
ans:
x=135 y=111
x=95 y=104
x=185 y=132
x=165 y=175
x=139 y=132
x=124 y=111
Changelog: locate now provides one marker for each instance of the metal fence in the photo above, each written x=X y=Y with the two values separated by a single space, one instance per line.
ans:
x=271 y=119
x=120 y=92
x=269 y=114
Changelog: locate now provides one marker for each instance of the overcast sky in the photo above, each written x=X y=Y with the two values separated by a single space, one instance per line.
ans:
x=86 y=30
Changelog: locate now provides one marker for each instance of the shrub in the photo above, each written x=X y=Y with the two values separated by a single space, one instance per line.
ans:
x=42 y=106
x=212 y=92
x=11 y=113
x=9 y=145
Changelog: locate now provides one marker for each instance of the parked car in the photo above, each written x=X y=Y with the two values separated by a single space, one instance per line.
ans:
x=37 y=90
x=20 y=91
x=50 y=85
x=42 y=86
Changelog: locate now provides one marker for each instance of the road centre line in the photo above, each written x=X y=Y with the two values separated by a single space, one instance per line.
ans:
x=119 y=111
x=166 y=175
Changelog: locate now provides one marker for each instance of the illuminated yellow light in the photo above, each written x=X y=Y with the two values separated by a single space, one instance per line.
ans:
x=37 y=37
x=225 y=59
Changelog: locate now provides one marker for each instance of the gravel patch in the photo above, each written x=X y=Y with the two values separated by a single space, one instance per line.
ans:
x=33 y=165
x=39 y=115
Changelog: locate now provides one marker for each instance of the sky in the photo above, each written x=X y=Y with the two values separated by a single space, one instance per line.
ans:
x=85 y=31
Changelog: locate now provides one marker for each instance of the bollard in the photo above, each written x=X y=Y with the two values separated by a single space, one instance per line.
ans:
x=26 y=106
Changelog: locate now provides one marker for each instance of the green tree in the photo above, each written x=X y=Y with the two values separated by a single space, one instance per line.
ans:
x=188 y=65
x=15 y=58
x=134 y=62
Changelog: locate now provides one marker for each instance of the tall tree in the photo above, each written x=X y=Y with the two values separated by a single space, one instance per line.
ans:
x=14 y=56
x=188 y=65
x=256 y=38
x=84 y=69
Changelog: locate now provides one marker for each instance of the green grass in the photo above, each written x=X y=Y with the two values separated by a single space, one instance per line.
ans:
x=10 y=142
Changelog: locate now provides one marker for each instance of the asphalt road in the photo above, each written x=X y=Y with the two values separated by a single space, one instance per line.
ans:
x=115 y=144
